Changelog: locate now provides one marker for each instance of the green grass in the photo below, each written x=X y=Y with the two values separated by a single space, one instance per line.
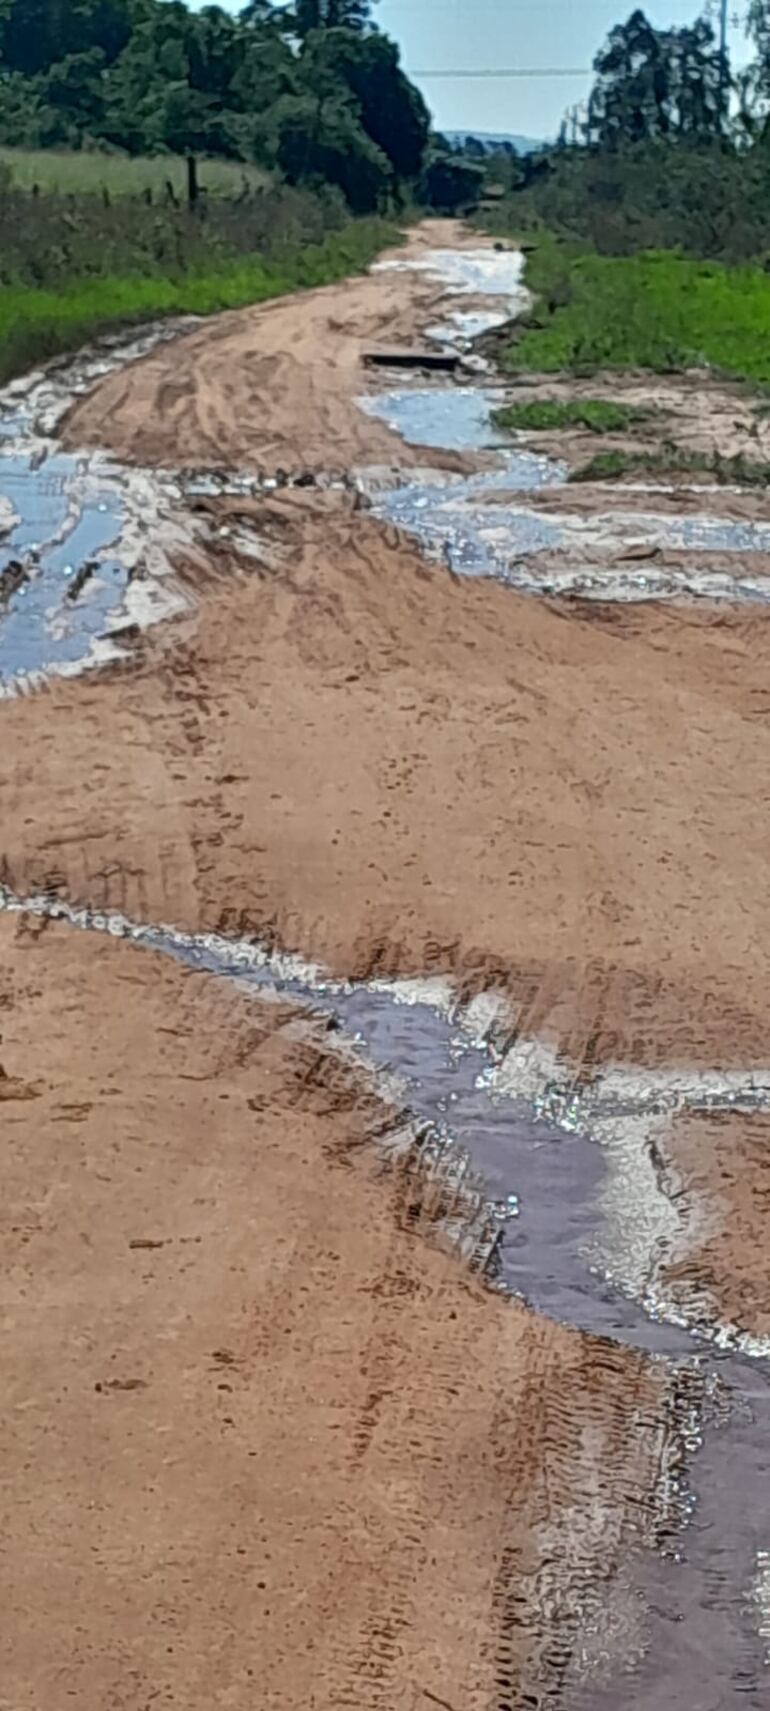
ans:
x=77 y=173
x=38 y=324
x=597 y=415
x=655 y=311
x=672 y=461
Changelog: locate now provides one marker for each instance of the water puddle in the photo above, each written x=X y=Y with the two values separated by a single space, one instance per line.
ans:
x=463 y=326
x=479 y=526
x=556 y=1190
x=524 y=1160
x=472 y=273
x=85 y=545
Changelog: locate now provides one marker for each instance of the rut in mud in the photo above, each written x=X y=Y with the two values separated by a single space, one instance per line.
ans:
x=555 y=1172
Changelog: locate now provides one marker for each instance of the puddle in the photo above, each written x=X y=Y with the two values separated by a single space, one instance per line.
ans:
x=584 y=1225
x=462 y=326
x=456 y=417
x=553 y=1190
x=64 y=526
x=479 y=526
x=471 y=273
x=85 y=546
x=482 y=1107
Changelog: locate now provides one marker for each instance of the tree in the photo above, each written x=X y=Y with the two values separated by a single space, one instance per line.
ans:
x=390 y=109
x=654 y=84
x=311 y=87
x=21 y=111
x=36 y=34
x=73 y=94
x=755 y=89
x=320 y=140
x=312 y=15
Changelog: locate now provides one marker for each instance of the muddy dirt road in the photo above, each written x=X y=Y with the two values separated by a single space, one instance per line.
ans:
x=384 y=920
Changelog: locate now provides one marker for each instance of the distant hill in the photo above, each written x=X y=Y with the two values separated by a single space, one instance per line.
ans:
x=493 y=139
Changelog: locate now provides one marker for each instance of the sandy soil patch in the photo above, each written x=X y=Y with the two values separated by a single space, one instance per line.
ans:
x=697 y=413
x=393 y=770
x=273 y=387
x=594 y=500
x=723 y=1161
x=265 y=1442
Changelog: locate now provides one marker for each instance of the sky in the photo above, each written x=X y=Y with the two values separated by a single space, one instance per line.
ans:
x=438 y=35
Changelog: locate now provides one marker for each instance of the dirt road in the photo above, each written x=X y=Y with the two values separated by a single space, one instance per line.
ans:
x=273 y=1443
x=272 y=387
x=396 y=772
x=265 y=1442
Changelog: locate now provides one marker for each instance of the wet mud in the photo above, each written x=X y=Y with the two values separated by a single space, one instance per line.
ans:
x=525 y=1174
x=478 y=525
x=576 y=1190
x=86 y=546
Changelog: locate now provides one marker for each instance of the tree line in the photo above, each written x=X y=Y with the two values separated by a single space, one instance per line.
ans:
x=671 y=150
x=677 y=84
x=312 y=89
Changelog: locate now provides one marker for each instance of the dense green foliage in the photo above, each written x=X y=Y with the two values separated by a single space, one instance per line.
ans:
x=671 y=150
x=40 y=323
x=708 y=201
x=548 y=415
x=653 y=84
x=49 y=239
x=654 y=310
x=313 y=89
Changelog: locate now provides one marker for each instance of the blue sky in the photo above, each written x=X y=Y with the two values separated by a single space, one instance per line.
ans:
x=468 y=34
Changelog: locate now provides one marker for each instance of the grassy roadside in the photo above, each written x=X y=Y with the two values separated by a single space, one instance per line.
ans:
x=550 y=415
x=656 y=311
x=79 y=172
x=36 y=324
x=674 y=462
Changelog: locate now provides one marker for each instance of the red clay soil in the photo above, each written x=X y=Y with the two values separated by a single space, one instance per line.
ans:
x=395 y=771
x=266 y=1444
x=275 y=387
x=723 y=1160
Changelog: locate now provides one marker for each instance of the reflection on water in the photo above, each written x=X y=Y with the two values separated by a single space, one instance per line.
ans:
x=481 y=1113
x=63 y=584
x=523 y=1185
x=64 y=594
x=479 y=526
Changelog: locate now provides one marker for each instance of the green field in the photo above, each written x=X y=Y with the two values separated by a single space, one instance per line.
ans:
x=547 y=415
x=38 y=324
x=655 y=311
x=77 y=173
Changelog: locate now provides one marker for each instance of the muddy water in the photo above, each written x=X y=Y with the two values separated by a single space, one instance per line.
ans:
x=488 y=1109
x=556 y=1192
x=479 y=525
x=60 y=533
x=82 y=554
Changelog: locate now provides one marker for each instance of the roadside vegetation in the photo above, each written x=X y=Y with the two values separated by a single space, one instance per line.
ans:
x=650 y=219
x=158 y=159
x=96 y=172
x=38 y=323
x=311 y=91
x=549 y=415
x=671 y=151
x=657 y=310
x=672 y=461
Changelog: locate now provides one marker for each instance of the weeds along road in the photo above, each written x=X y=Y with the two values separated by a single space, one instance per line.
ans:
x=271 y=1436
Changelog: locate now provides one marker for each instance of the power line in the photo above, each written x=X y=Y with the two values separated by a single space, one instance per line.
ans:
x=510 y=71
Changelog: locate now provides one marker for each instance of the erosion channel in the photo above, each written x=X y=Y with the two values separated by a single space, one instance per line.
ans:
x=465 y=1225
